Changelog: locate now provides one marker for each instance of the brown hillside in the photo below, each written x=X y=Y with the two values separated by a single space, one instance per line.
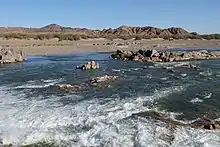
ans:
x=123 y=32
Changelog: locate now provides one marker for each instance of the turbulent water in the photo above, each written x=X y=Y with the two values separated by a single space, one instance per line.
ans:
x=32 y=111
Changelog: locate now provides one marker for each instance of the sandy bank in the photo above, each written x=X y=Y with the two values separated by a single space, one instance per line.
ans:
x=37 y=47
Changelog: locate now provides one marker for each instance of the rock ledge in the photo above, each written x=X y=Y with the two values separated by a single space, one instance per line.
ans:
x=165 y=56
x=11 y=55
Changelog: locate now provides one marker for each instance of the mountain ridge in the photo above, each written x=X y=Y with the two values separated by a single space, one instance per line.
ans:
x=122 y=32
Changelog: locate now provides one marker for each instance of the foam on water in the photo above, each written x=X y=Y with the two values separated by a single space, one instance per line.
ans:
x=196 y=100
x=90 y=122
x=39 y=84
x=206 y=73
x=208 y=95
x=170 y=65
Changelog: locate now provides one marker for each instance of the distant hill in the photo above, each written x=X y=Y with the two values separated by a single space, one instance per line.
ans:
x=123 y=32
x=126 y=30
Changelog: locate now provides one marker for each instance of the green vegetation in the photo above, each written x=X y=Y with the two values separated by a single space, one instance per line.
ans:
x=211 y=36
x=75 y=37
x=70 y=37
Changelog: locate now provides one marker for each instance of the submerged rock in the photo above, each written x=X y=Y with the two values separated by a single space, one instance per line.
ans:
x=88 y=66
x=203 y=123
x=165 y=56
x=104 y=79
x=69 y=87
x=191 y=66
x=11 y=55
x=97 y=82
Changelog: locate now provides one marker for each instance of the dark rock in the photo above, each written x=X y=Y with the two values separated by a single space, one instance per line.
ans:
x=166 y=56
x=141 y=52
x=151 y=53
x=206 y=124
x=135 y=58
x=191 y=66
x=171 y=70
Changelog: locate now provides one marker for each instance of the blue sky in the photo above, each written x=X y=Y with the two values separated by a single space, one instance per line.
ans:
x=202 y=16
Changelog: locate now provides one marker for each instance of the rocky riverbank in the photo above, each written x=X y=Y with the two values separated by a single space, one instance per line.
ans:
x=202 y=123
x=164 y=56
x=11 y=55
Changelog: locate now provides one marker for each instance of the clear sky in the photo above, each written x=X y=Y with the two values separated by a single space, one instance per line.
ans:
x=202 y=16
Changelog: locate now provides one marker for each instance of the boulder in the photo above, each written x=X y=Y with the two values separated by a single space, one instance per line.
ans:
x=68 y=87
x=11 y=55
x=154 y=53
x=149 y=53
x=135 y=58
x=88 y=66
x=165 y=56
x=104 y=79
x=203 y=123
x=204 y=51
x=190 y=66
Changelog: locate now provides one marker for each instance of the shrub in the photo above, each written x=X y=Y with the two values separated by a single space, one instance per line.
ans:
x=16 y=36
x=211 y=36
x=139 y=37
x=84 y=36
x=125 y=37
x=110 y=37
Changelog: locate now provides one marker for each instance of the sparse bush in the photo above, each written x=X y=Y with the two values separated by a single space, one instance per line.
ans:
x=76 y=37
x=211 y=36
x=139 y=37
x=166 y=37
x=16 y=36
x=110 y=37
x=147 y=37
x=84 y=36
x=125 y=37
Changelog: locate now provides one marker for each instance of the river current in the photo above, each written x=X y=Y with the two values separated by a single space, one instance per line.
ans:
x=32 y=111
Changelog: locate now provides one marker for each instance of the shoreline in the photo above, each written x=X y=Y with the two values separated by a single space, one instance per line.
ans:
x=46 y=47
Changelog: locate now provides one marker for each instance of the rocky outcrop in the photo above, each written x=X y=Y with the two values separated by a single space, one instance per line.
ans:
x=104 y=79
x=88 y=66
x=164 y=56
x=11 y=56
x=97 y=82
x=202 y=123
x=148 y=30
x=191 y=66
x=68 y=87
x=100 y=82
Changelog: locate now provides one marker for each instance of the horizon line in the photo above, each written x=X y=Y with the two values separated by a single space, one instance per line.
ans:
x=89 y=28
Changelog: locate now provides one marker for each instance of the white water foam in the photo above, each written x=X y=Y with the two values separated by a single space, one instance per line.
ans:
x=196 y=100
x=89 y=122
x=206 y=73
x=170 y=65
x=207 y=95
x=39 y=84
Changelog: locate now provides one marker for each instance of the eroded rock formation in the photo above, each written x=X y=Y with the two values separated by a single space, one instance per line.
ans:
x=164 y=56
x=11 y=55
